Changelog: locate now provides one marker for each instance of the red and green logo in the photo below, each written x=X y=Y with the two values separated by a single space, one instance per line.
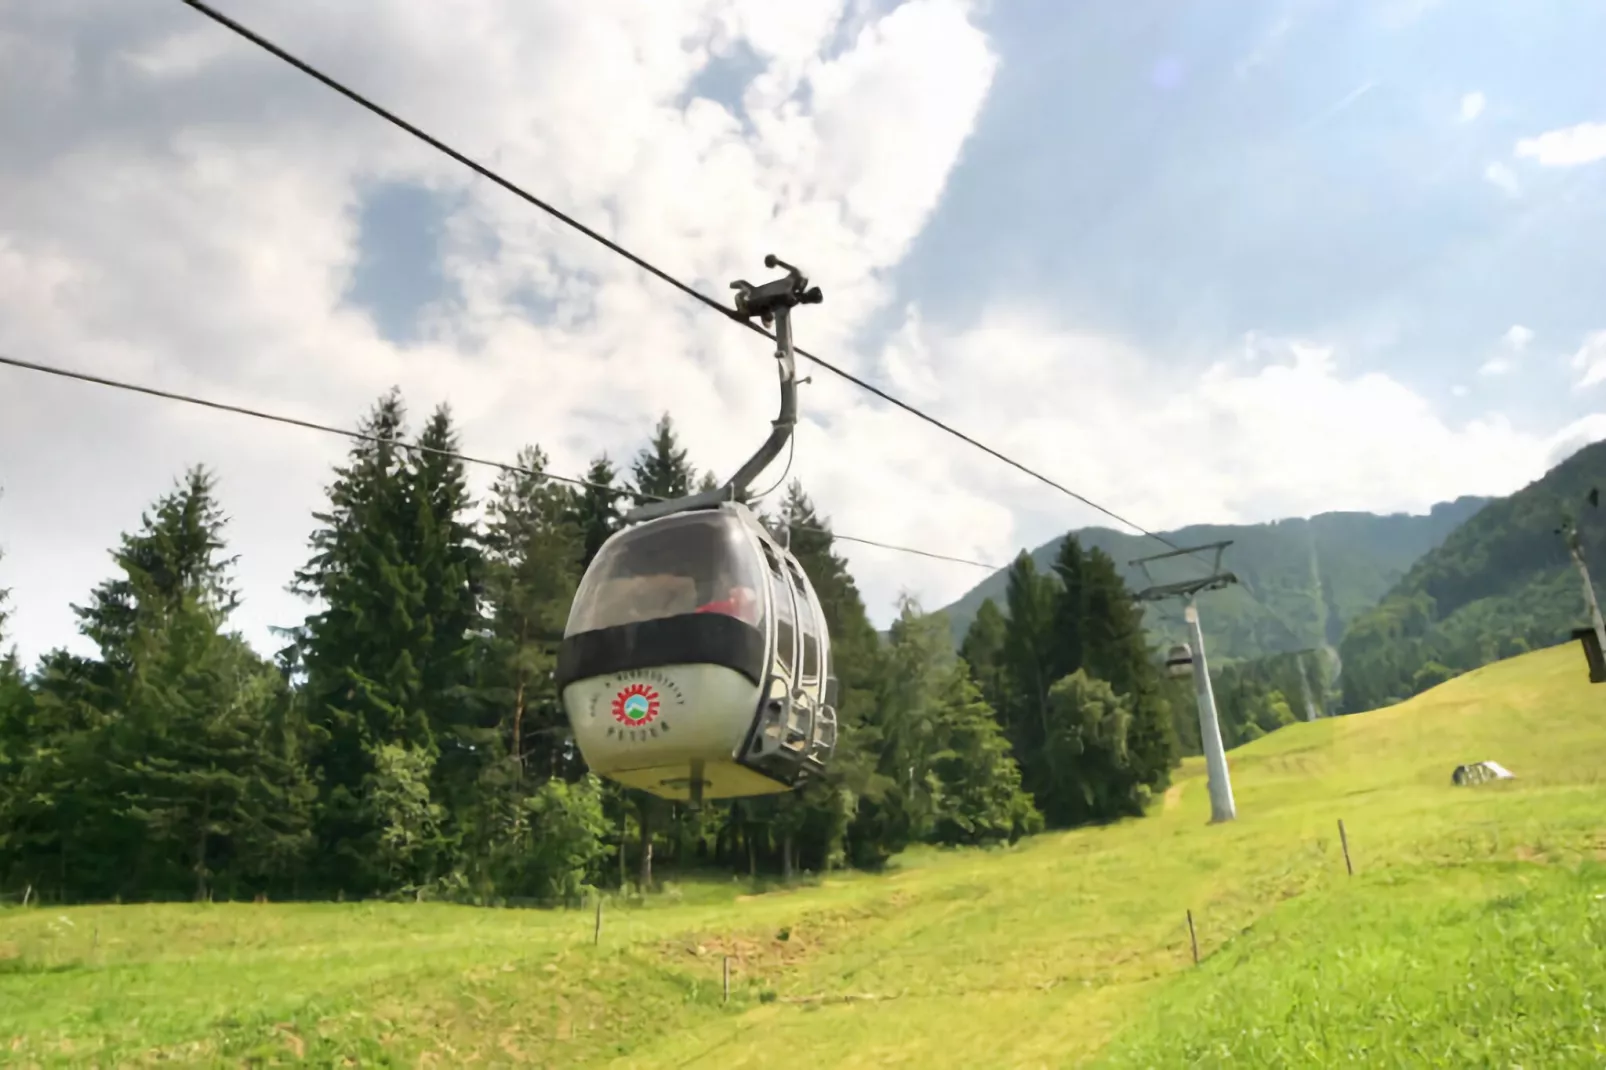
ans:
x=635 y=705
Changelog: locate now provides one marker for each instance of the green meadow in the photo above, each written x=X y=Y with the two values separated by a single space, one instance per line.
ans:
x=1472 y=933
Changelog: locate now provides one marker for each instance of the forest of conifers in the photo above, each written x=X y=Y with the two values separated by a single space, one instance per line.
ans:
x=408 y=741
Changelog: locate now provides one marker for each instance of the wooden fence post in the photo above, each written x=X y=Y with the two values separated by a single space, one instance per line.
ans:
x=1343 y=840
x=596 y=932
x=727 y=998
x=1193 y=938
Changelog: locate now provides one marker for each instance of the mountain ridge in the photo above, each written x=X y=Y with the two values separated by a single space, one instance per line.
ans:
x=1302 y=579
x=1499 y=585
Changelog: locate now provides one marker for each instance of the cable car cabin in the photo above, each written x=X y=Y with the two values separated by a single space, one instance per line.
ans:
x=1179 y=661
x=696 y=662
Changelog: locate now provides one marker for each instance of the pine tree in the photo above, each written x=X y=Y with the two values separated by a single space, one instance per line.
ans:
x=829 y=809
x=710 y=481
x=661 y=470
x=1031 y=657
x=443 y=547
x=19 y=739
x=534 y=550
x=1116 y=649
x=983 y=651
x=364 y=688
x=15 y=695
x=944 y=766
x=595 y=509
x=900 y=802
x=161 y=759
x=982 y=799
x=441 y=544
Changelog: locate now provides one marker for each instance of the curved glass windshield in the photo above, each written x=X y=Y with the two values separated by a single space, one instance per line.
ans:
x=698 y=563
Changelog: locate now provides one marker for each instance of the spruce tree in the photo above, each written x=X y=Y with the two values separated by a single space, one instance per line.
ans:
x=595 y=509
x=830 y=808
x=983 y=650
x=1114 y=648
x=534 y=553
x=661 y=470
x=443 y=547
x=1031 y=656
x=162 y=757
x=441 y=544
x=982 y=799
x=364 y=688
x=15 y=696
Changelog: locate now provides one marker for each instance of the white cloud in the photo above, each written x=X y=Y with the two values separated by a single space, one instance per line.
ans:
x=1502 y=178
x=1513 y=344
x=1227 y=445
x=1472 y=105
x=1567 y=147
x=1574 y=437
x=180 y=211
x=1517 y=337
x=1590 y=360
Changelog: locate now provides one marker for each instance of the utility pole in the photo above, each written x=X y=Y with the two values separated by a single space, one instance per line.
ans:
x=1222 y=807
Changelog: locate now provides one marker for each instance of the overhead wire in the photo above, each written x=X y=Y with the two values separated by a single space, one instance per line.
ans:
x=330 y=429
x=485 y=172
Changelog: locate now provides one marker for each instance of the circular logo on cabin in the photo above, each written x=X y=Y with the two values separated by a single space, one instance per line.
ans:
x=635 y=705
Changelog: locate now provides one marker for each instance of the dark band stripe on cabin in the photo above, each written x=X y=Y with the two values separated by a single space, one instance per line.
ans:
x=686 y=639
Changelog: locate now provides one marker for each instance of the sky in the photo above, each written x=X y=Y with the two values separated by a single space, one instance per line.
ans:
x=1200 y=262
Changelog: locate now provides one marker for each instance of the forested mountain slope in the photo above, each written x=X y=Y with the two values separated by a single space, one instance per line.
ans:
x=1318 y=574
x=1500 y=584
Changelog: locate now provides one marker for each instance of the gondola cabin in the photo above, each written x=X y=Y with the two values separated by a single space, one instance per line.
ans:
x=1179 y=661
x=696 y=663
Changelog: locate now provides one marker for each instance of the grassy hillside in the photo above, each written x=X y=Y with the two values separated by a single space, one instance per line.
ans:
x=1318 y=574
x=1500 y=584
x=1466 y=936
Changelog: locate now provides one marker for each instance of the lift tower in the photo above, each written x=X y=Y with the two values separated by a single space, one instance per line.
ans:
x=1222 y=807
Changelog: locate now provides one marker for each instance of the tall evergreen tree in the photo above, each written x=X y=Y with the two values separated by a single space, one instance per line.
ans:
x=1032 y=659
x=982 y=798
x=442 y=545
x=595 y=509
x=534 y=555
x=1080 y=618
x=983 y=651
x=710 y=481
x=15 y=695
x=829 y=809
x=661 y=469
x=165 y=762
x=443 y=548
x=360 y=654
x=1116 y=649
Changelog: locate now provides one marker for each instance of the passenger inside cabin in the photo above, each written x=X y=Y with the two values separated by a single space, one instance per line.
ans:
x=741 y=602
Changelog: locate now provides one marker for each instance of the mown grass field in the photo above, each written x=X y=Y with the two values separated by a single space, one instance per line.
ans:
x=1472 y=934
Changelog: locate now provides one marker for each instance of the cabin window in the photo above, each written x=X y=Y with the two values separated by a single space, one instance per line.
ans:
x=696 y=563
x=808 y=624
x=785 y=626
